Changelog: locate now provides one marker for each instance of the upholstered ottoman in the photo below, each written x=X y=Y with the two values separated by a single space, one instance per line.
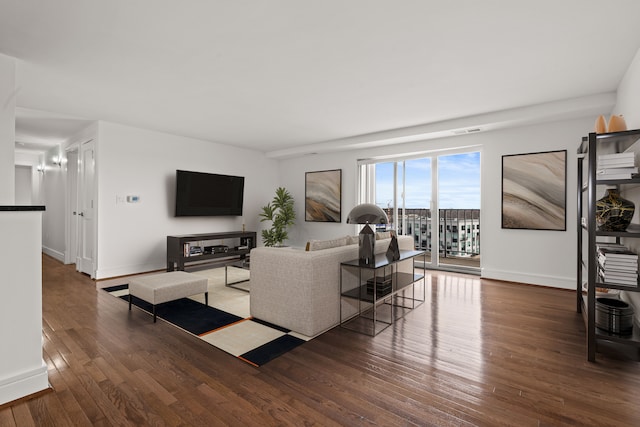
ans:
x=165 y=287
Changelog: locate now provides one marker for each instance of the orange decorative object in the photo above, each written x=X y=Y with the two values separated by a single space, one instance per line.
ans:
x=617 y=124
x=601 y=125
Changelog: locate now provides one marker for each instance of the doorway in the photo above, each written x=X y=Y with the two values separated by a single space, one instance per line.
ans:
x=86 y=209
x=71 y=217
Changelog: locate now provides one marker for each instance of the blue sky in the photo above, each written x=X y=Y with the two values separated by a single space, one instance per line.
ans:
x=458 y=175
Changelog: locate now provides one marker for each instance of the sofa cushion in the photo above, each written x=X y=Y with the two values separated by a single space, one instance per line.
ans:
x=317 y=245
x=380 y=235
x=353 y=240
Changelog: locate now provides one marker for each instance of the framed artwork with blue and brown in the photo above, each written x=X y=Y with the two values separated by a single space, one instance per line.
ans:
x=534 y=191
x=323 y=196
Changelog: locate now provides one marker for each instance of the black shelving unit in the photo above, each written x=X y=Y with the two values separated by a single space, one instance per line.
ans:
x=178 y=257
x=590 y=189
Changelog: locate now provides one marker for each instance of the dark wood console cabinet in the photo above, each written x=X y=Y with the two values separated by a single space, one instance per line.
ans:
x=178 y=253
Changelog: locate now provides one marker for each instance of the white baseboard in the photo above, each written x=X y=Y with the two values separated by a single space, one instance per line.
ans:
x=128 y=270
x=532 y=279
x=24 y=384
x=53 y=253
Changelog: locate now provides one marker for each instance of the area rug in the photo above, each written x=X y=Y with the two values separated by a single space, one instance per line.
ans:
x=232 y=329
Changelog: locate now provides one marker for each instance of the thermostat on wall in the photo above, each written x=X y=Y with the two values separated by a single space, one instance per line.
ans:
x=133 y=199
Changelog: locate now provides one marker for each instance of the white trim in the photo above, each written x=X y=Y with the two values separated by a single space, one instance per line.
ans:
x=531 y=279
x=420 y=154
x=24 y=384
x=127 y=270
x=53 y=253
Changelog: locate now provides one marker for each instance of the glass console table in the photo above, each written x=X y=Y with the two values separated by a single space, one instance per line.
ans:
x=373 y=296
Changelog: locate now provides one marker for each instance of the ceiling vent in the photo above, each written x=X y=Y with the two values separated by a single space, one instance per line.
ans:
x=465 y=131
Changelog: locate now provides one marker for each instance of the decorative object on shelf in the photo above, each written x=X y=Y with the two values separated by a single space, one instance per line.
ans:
x=367 y=213
x=534 y=191
x=601 y=125
x=393 y=251
x=613 y=213
x=617 y=124
x=281 y=213
x=323 y=196
x=614 y=316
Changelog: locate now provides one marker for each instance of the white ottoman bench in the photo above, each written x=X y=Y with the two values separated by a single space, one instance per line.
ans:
x=165 y=287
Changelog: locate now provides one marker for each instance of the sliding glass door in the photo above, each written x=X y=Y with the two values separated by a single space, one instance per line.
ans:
x=433 y=198
x=459 y=210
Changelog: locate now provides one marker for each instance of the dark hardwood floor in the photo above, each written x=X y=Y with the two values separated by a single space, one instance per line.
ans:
x=478 y=352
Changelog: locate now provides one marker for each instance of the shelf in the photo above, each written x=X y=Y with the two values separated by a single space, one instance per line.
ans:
x=632 y=231
x=635 y=181
x=632 y=339
x=617 y=286
x=381 y=260
x=228 y=254
x=399 y=283
x=624 y=137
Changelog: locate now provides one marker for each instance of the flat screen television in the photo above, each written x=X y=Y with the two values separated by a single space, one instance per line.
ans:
x=208 y=194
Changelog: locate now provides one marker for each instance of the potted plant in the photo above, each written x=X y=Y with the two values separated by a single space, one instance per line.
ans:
x=281 y=214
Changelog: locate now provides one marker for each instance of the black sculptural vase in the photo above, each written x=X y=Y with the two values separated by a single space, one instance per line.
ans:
x=613 y=213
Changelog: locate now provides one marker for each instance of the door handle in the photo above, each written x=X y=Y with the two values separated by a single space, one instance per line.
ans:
x=81 y=214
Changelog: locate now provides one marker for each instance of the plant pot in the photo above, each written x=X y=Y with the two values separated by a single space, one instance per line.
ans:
x=613 y=213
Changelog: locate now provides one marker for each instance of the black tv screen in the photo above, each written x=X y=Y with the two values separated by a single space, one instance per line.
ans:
x=208 y=194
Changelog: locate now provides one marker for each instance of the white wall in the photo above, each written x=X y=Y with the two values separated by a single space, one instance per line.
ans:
x=628 y=100
x=537 y=257
x=7 y=129
x=23 y=185
x=23 y=370
x=132 y=161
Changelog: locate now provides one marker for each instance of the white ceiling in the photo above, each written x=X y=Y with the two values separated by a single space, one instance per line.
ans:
x=281 y=75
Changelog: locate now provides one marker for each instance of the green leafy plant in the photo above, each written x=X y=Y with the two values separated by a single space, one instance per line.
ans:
x=281 y=214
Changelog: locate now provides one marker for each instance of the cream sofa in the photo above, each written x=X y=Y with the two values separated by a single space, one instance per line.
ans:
x=300 y=289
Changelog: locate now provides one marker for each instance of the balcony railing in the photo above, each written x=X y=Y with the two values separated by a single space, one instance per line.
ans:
x=459 y=229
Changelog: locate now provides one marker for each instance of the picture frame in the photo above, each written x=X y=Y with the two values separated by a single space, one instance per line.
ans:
x=534 y=191
x=323 y=196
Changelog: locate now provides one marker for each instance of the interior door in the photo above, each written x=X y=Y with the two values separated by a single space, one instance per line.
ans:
x=87 y=208
x=71 y=253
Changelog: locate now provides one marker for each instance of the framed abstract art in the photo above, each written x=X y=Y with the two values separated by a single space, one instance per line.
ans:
x=534 y=191
x=323 y=196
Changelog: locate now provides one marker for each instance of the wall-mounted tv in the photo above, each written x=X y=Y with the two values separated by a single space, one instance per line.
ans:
x=208 y=194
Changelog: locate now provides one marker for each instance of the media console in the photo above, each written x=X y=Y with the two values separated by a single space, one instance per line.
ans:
x=229 y=246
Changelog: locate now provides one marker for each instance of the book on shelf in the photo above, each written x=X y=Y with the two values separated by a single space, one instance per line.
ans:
x=613 y=177
x=632 y=269
x=618 y=274
x=612 y=261
x=616 y=163
x=615 y=253
x=625 y=159
x=623 y=155
x=619 y=256
x=610 y=245
x=632 y=283
x=614 y=171
x=618 y=269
